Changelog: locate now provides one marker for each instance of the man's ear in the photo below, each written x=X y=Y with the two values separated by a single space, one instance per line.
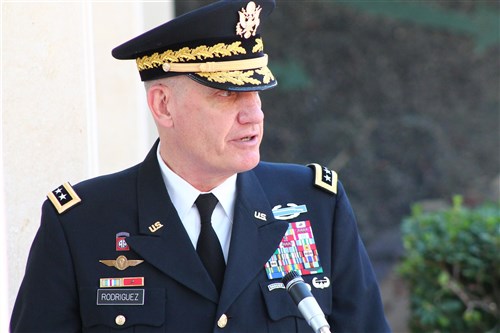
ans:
x=158 y=97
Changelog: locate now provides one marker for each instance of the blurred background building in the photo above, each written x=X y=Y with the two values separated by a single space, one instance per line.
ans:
x=401 y=98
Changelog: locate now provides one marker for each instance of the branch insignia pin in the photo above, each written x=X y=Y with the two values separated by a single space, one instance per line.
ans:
x=260 y=216
x=155 y=226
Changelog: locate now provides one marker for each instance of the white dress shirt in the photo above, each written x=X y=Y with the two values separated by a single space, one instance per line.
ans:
x=183 y=196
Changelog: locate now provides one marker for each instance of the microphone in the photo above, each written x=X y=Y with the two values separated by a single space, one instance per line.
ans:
x=307 y=304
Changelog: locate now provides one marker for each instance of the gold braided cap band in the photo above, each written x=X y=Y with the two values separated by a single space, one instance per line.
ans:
x=250 y=73
x=221 y=66
x=186 y=55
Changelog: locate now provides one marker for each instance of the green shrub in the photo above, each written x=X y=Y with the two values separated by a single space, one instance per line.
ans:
x=452 y=267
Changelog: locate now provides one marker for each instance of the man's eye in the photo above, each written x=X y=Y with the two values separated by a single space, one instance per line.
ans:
x=226 y=93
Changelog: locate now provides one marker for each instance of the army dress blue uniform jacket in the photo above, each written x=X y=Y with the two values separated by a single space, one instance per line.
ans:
x=59 y=292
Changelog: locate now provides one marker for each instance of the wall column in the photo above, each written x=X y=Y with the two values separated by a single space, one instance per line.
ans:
x=69 y=110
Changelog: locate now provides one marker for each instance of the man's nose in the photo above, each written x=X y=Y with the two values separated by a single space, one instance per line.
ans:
x=251 y=111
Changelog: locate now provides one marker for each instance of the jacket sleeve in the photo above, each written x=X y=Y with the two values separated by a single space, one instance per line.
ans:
x=357 y=305
x=48 y=299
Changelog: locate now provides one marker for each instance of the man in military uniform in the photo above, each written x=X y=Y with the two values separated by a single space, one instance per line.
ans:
x=198 y=236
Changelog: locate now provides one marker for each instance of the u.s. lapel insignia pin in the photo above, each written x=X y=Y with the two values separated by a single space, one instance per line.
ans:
x=260 y=216
x=155 y=226
x=121 y=263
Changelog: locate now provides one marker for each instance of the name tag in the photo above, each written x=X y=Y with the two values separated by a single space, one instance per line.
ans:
x=120 y=296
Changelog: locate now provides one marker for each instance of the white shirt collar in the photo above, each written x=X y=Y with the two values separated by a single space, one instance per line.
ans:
x=183 y=194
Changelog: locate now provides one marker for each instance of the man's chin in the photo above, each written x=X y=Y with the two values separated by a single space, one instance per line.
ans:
x=249 y=164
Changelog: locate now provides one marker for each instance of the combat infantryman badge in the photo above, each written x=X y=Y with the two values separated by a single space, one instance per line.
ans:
x=290 y=212
x=121 y=263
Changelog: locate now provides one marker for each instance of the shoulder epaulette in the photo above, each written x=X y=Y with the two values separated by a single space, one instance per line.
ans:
x=324 y=178
x=63 y=198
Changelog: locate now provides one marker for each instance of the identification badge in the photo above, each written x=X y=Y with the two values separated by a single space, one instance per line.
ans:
x=120 y=296
x=297 y=251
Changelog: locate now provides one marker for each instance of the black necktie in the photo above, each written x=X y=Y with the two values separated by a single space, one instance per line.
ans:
x=208 y=247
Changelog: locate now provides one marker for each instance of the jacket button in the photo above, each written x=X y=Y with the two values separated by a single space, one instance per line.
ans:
x=120 y=320
x=222 y=322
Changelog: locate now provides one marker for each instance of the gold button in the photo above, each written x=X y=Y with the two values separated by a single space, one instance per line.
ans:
x=120 y=320
x=222 y=322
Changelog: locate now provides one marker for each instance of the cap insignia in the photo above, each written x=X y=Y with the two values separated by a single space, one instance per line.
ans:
x=324 y=178
x=249 y=20
x=63 y=198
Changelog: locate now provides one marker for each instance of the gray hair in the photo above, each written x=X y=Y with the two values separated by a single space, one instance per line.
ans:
x=167 y=81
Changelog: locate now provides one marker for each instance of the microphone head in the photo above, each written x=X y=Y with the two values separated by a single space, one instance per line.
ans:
x=300 y=293
x=290 y=277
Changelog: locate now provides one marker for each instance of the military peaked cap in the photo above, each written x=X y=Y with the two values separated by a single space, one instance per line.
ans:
x=218 y=45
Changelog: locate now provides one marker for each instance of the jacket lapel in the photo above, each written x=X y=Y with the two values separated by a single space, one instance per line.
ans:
x=162 y=239
x=253 y=240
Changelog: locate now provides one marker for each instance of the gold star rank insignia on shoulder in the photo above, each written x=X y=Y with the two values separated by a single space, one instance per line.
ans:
x=324 y=178
x=63 y=197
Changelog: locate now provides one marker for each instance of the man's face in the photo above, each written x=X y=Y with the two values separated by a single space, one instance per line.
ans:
x=214 y=133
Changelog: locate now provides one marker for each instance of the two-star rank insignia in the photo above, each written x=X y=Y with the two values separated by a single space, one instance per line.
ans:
x=63 y=198
x=324 y=178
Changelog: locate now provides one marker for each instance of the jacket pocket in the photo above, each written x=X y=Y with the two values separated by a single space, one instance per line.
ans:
x=134 y=311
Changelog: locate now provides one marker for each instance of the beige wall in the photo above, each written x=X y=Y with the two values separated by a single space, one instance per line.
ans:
x=69 y=110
